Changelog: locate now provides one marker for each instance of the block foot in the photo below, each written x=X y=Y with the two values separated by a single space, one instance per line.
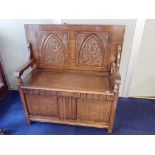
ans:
x=1 y=132
x=109 y=130
x=28 y=122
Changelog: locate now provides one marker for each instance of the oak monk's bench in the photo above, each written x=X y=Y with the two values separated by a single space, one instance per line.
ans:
x=75 y=74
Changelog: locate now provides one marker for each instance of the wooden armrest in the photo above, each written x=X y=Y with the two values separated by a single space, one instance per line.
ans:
x=20 y=72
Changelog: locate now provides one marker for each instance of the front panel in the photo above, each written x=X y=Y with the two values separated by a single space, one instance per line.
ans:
x=95 y=110
x=42 y=105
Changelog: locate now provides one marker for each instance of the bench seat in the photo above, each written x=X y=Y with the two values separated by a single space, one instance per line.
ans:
x=70 y=81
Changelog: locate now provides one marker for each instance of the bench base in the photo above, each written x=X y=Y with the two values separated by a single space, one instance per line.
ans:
x=72 y=108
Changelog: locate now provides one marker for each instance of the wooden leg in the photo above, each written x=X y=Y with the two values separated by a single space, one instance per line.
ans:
x=24 y=104
x=109 y=130
x=112 y=115
x=28 y=121
x=1 y=132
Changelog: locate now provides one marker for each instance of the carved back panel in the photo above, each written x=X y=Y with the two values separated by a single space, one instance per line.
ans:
x=81 y=47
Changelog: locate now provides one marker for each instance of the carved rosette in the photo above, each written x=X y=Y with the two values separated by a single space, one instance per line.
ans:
x=92 y=48
x=54 y=49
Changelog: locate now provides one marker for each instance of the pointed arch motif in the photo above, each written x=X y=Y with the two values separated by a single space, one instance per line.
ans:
x=53 y=50
x=91 y=51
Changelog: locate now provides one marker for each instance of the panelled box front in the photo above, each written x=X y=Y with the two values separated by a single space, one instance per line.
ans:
x=77 y=106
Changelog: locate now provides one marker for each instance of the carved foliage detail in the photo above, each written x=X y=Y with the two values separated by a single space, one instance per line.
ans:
x=91 y=52
x=53 y=50
x=68 y=94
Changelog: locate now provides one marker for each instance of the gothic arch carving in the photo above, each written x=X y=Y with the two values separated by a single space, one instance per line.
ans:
x=91 y=51
x=53 y=50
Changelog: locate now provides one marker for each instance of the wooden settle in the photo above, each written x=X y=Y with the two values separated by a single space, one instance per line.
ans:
x=75 y=74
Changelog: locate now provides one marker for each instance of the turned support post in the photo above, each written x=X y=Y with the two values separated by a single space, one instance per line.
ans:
x=115 y=81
